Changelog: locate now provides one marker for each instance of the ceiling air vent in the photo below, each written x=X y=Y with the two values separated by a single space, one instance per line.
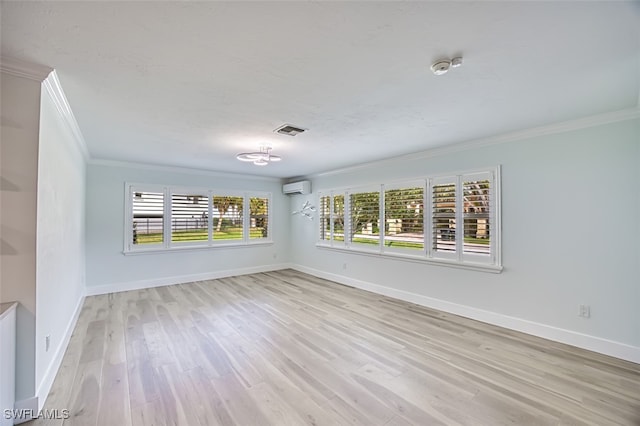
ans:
x=288 y=129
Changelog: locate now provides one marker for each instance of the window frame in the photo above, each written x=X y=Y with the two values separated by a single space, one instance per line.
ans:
x=167 y=245
x=459 y=259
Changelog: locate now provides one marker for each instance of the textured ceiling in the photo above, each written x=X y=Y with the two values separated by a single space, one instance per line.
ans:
x=192 y=84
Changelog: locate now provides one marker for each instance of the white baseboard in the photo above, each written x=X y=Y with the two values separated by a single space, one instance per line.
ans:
x=52 y=370
x=181 y=279
x=592 y=343
x=25 y=410
x=580 y=340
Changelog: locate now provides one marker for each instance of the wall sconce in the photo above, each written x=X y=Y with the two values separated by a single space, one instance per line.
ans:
x=306 y=210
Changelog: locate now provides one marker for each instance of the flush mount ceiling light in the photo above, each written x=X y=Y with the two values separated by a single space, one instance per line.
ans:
x=259 y=158
x=442 y=66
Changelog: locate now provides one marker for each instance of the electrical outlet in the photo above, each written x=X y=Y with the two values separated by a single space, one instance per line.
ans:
x=585 y=311
x=344 y=266
x=47 y=343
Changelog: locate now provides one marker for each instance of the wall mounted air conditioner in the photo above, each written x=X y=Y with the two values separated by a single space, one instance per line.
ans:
x=302 y=187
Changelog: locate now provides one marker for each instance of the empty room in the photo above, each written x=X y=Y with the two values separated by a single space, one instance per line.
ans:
x=320 y=213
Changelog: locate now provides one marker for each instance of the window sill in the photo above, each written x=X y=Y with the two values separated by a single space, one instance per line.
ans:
x=187 y=248
x=480 y=267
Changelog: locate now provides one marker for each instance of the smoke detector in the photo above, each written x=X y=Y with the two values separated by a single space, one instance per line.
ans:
x=442 y=66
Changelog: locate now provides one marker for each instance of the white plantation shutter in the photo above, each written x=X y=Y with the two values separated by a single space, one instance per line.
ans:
x=404 y=218
x=476 y=199
x=324 y=216
x=364 y=218
x=452 y=220
x=163 y=217
x=189 y=217
x=258 y=218
x=227 y=223
x=464 y=218
x=147 y=225
x=331 y=217
x=443 y=216
x=337 y=219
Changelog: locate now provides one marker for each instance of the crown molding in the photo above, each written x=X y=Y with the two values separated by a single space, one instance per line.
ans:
x=24 y=69
x=178 y=169
x=54 y=90
x=551 y=129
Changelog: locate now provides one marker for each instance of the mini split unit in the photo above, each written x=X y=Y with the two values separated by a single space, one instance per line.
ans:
x=302 y=187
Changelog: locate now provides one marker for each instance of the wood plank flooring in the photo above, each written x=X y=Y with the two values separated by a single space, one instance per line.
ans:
x=285 y=348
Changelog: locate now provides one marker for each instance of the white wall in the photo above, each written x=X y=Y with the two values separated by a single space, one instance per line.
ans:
x=109 y=270
x=571 y=236
x=60 y=273
x=19 y=156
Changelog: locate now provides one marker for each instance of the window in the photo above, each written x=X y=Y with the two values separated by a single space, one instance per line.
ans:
x=324 y=215
x=189 y=217
x=147 y=224
x=404 y=218
x=453 y=220
x=331 y=216
x=259 y=217
x=228 y=221
x=464 y=199
x=476 y=215
x=364 y=218
x=162 y=218
x=337 y=218
x=443 y=216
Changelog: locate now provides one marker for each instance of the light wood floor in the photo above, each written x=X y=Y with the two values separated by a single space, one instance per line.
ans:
x=285 y=348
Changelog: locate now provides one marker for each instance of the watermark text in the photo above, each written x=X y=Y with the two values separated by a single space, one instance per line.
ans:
x=48 y=414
